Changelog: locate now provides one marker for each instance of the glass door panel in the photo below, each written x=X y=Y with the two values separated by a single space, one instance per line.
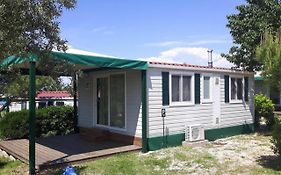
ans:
x=117 y=100
x=102 y=101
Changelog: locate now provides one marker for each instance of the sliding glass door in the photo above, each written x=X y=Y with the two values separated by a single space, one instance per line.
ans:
x=111 y=101
x=117 y=101
x=102 y=101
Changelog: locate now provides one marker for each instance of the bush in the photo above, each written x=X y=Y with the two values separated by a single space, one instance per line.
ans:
x=276 y=137
x=14 y=125
x=54 y=120
x=264 y=108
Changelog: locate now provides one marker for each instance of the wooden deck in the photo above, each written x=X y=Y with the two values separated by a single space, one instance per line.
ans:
x=64 y=149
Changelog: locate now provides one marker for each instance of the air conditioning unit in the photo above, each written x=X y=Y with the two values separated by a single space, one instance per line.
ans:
x=194 y=133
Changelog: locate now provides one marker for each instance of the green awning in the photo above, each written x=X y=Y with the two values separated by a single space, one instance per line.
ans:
x=85 y=61
x=258 y=78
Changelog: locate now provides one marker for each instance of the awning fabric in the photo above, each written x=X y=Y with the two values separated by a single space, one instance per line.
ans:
x=83 y=60
x=259 y=78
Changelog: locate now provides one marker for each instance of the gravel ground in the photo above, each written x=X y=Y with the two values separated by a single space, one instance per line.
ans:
x=243 y=154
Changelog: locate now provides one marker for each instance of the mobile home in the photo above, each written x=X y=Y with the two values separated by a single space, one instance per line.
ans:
x=179 y=100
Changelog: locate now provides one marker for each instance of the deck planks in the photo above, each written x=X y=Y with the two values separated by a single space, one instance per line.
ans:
x=64 y=149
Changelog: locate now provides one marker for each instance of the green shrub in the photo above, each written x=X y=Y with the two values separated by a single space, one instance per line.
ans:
x=14 y=125
x=54 y=120
x=264 y=108
x=276 y=137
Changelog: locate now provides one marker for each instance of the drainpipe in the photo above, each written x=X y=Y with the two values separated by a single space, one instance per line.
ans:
x=144 y=111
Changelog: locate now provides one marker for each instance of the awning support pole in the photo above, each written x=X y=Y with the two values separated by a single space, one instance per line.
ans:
x=144 y=111
x=75 y=122
x=32 y=118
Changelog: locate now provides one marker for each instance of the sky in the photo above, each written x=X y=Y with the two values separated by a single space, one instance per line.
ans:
x=159 y=30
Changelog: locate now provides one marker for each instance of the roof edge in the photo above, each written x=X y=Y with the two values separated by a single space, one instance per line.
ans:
x=195 y=67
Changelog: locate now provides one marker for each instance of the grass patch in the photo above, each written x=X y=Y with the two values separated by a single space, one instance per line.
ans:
x=129 y=163
x=11 y=167
x=209 y=159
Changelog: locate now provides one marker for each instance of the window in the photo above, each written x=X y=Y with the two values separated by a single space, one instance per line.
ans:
x=41 y=104
x=59 y=103
x=181 y=88
x=186 y=86
x=175 y=88
x=206 y=88
x=236 y=85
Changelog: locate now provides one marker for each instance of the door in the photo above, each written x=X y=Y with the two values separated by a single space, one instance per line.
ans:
x=102 y=101
x=111 y=101
x=216 y=99
x=117 y=101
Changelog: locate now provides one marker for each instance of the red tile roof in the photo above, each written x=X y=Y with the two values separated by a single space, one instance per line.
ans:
x=187 y=65
x=53 y=94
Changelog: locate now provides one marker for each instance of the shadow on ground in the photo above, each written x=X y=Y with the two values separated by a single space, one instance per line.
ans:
x=271 y=162
x=3 y=163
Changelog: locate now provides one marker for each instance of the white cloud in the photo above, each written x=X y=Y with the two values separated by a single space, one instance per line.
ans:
x=212 y=41
x=98 y=29
x=102 y=30
x=164 y=43
x=188 y=43
x=191 y=55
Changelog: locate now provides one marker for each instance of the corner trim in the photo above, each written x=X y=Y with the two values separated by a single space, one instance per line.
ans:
x=144 y=111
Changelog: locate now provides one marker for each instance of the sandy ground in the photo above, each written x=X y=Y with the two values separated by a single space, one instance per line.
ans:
x=243 y=154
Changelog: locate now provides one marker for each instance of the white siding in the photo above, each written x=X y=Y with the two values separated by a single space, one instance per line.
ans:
x=87 y=102
x=237 y=113
x=179 y=116
x=176 y=116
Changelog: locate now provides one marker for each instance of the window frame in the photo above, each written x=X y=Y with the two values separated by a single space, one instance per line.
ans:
x=210 y=100
x=125 y=101
x=236 y=100
x=181 y=74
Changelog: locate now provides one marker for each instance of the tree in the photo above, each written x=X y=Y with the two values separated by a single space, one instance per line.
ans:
x=18 y=87
x=269 y=54
x=31 y=26
x=246 y=28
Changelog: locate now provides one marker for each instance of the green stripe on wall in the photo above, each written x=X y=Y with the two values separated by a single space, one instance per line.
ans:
x=218 y=133
x=156 y=143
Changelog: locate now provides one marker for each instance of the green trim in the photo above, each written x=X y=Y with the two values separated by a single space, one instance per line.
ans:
x=80 y=59
x=32 y=117
x=165 y=89
x=155 y=143
x=197 y=88
x=75 y=107
x=218 y=133
x=226 y=89
x=144 y=111
x=259 y=78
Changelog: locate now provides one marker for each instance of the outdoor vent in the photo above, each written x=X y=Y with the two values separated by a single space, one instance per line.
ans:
x=194 y=133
